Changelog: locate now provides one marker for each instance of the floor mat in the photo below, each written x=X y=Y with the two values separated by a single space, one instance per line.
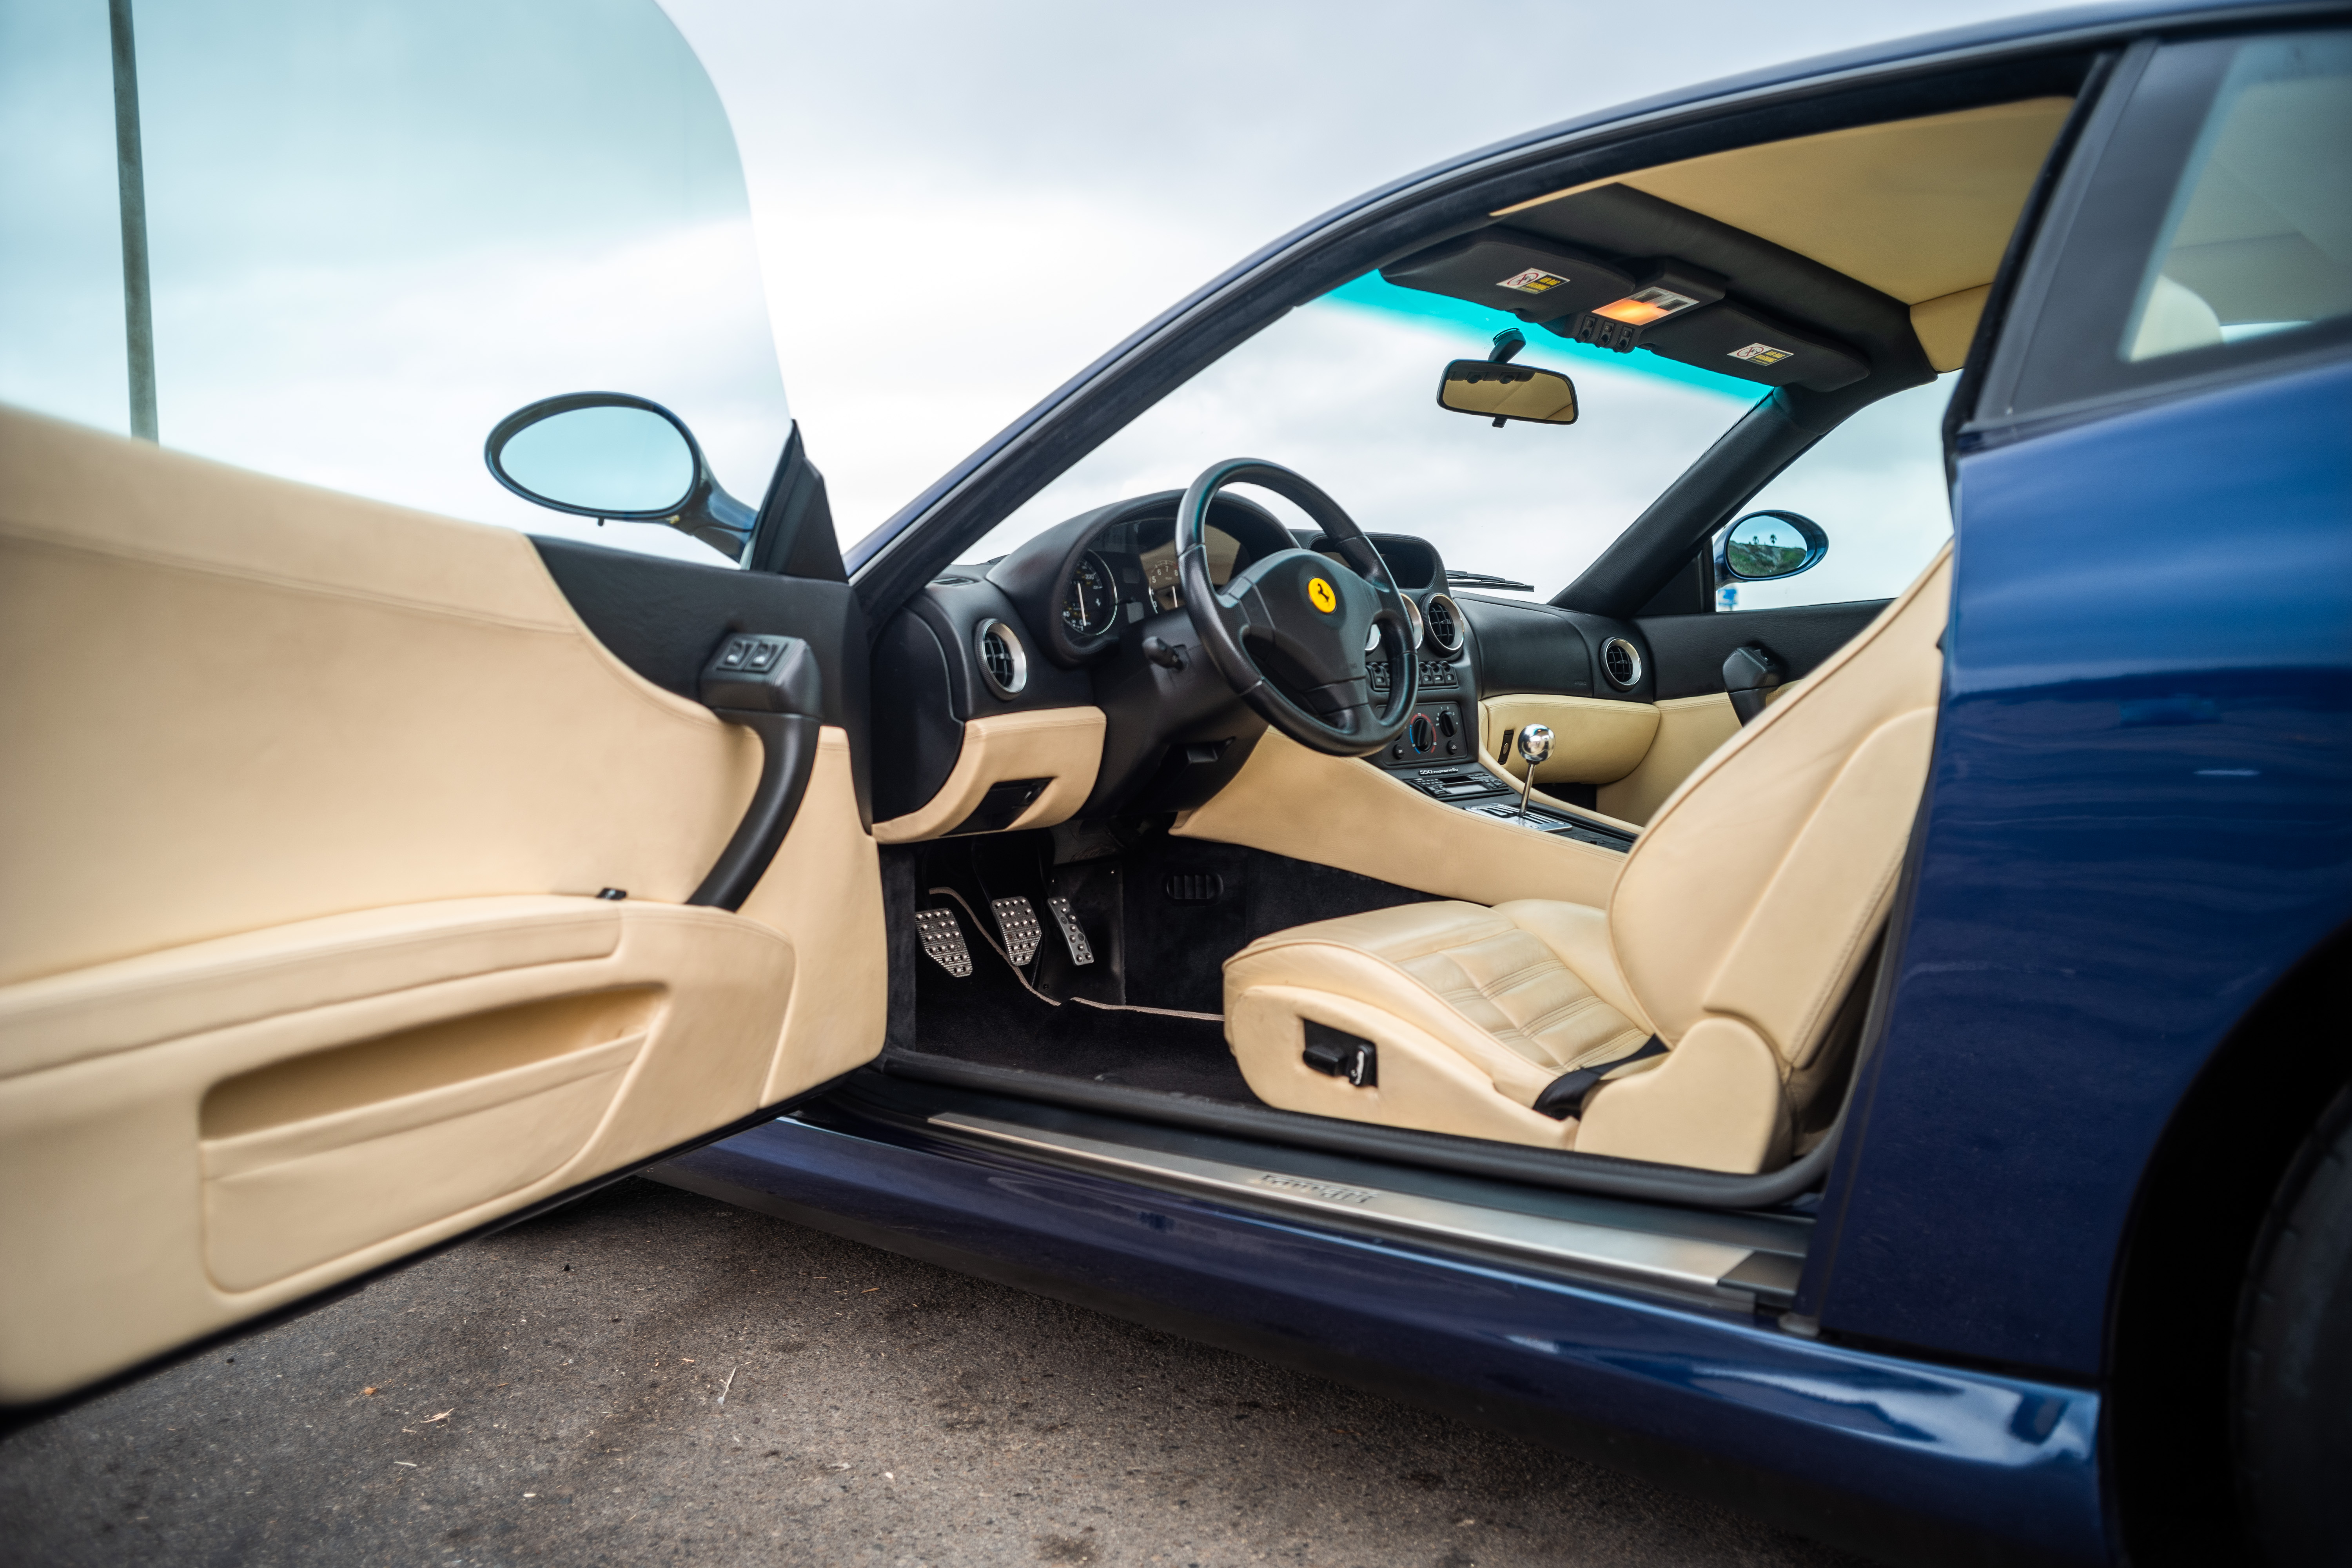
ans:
x=990 y=1018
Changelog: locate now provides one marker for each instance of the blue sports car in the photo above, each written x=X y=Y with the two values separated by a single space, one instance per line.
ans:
x=1685 y=784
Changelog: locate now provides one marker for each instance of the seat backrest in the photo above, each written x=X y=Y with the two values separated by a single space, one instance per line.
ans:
x=1759 y=887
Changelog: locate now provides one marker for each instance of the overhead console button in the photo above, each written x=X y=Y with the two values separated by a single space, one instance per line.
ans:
x=1729 y=338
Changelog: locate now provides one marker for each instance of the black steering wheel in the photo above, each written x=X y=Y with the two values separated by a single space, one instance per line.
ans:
x=1312 y=618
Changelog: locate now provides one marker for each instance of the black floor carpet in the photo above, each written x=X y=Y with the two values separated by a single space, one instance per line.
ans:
x=990 y=1018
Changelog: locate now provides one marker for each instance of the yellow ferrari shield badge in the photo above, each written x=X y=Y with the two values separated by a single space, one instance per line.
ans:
x=1320 y=591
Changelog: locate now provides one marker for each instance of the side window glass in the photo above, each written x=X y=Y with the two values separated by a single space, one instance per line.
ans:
x=2214 y=232
x=2258 y=239
x=376 y=228
x=1874 y=492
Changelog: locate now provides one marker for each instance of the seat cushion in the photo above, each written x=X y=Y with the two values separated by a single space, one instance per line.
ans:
x=1474 y=1011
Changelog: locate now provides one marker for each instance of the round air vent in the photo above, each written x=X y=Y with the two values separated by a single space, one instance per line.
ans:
x=1622 y=662
x=1003 y=662
x=1445 y=619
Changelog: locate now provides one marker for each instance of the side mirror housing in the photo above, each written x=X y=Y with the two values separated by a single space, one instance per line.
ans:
x=1503 y=392
x=608 y=455
x=1765 y=546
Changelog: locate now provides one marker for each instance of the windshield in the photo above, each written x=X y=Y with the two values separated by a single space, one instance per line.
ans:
x=1344 y=390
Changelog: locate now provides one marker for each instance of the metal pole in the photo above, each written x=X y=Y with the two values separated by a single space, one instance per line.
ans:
x=138 y=305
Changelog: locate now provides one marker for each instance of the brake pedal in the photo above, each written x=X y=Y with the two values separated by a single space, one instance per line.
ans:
x=1081 y=950
x=1017 y=923
x=943 y=941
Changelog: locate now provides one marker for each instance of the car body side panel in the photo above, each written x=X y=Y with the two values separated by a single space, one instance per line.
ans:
x=2141 y=819
x=1999 y=1458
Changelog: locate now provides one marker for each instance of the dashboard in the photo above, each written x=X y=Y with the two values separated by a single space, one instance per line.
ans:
x=1063 y=620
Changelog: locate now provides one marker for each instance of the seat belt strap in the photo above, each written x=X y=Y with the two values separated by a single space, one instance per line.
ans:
x=1565 y=1095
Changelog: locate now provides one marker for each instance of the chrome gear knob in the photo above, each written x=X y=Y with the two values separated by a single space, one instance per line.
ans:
x=1535 y=745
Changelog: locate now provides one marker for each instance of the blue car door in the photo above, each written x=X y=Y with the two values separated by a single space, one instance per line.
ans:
x=2140 y=817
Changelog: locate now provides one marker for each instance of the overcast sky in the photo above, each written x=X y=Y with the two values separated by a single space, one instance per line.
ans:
x=378 y=226
x=1005 y=191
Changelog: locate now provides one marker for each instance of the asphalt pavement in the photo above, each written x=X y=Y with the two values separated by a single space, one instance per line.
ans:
x=651 y=1377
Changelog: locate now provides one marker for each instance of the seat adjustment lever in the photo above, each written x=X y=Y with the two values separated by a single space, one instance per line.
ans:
x=1339 y=1054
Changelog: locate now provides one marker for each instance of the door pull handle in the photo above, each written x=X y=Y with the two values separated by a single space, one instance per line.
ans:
x=771 y=686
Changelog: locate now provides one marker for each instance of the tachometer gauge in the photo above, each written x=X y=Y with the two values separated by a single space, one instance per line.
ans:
x=1090 y=602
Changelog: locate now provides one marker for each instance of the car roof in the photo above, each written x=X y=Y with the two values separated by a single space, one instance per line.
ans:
x=2080 y=24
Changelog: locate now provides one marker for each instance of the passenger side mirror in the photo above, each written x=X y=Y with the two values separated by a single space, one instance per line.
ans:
x=607 y=455
x=1502 y=392
x=1767 y=545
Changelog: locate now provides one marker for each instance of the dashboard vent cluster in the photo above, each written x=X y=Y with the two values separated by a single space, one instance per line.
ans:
x=1622 y=661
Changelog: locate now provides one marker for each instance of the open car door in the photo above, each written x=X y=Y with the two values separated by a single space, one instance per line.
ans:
x=348 y=893
x=373 y=876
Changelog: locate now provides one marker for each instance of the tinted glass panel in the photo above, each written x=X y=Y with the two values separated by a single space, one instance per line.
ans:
x=1875 y=486
x=2214 y=231
x=2258 y=239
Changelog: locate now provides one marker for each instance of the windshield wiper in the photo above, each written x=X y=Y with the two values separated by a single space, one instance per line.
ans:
x=1484 y=580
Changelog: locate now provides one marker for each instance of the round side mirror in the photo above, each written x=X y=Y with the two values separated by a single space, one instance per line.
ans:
x=1767 y=545
x=609 y=455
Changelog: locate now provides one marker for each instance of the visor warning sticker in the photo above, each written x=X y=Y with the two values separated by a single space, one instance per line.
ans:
x=1762 y=353
x=1534 y=280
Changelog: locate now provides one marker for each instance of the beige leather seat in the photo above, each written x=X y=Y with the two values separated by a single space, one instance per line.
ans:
x=1732 y=934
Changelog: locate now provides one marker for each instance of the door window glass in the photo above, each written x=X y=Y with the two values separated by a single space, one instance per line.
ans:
x=1875 y=487
x=2213 y=233
x=2259 y=237
x=377 y=227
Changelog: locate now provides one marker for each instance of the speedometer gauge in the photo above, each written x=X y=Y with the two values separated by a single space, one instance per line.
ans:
x=1090 y=602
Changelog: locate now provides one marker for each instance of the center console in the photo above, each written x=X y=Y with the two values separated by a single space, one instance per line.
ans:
x=1438 y=755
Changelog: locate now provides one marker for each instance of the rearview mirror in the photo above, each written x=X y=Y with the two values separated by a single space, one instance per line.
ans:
x=1765 y=545
x=607 y=455
x=1503 y=392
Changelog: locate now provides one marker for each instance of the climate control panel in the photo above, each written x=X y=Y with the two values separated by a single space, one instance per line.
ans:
x=1438 y=731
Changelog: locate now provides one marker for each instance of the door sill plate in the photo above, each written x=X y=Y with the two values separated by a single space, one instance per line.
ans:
x=1719 y=1270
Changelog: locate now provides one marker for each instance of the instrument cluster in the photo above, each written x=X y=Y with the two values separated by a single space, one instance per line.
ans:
x=1122 y=573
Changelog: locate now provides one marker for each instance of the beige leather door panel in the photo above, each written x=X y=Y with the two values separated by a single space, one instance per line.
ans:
x=307 y=806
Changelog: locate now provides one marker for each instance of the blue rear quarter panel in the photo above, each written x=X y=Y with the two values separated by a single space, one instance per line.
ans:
x=2141 y=818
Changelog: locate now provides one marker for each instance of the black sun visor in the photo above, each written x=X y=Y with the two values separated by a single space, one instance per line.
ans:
x=1678 y=311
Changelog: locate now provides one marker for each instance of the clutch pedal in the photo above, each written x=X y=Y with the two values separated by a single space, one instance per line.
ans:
x=1081 y=950
x=943 y=940
x=1017 y=923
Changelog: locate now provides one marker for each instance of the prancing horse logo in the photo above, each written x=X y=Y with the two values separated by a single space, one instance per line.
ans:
x=1319 y=591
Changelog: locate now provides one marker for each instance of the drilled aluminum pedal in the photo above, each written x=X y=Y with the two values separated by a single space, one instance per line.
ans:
x=943 y=940
x=1081 y=950
x=1017 y=923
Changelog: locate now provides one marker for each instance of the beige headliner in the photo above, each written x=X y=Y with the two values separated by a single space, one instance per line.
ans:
x=1921 y=209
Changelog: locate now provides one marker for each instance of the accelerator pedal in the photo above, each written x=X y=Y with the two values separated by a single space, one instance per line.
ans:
x=1081 y=950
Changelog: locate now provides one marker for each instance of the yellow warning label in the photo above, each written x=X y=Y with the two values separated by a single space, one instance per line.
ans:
x=1320 y=591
